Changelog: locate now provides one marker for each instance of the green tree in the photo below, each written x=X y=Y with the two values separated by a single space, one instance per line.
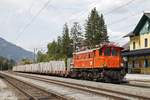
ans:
x=59 y=48
x=105 y=37
x=6 y=64
x=66 y=42
x=54 y=50
x=95 y=29
x=26 y=61
x=42 y=57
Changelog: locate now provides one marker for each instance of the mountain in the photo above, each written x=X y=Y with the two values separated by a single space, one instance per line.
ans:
x=14 y=52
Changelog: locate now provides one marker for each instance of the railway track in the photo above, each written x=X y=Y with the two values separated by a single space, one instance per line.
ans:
x=31 y=91
x=96 y=90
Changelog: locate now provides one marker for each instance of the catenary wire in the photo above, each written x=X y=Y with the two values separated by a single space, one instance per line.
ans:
x=33 y=18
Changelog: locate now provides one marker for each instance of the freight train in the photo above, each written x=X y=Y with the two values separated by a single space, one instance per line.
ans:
x=103 y=63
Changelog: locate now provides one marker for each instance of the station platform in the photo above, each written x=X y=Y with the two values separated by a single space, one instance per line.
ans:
x=138 y=77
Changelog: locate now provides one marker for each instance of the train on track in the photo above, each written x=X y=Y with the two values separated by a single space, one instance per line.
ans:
x=103 y=63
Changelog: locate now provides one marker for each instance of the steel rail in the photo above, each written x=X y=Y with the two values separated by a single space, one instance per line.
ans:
x=35 y=92
x=96 y=90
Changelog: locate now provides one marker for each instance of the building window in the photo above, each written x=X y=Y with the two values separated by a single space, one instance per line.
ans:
x=146 y=63
x=146 y=28
x=133 y=45
x=146 y=42
x=133 y=63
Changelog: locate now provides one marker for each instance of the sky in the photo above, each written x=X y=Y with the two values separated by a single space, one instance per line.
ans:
x=34 y=23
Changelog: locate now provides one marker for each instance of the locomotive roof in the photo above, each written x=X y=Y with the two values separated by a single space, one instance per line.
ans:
x=90 y=50
x=85 y=51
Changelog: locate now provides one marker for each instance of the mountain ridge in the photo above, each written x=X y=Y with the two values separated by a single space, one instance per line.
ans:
x=12 y=51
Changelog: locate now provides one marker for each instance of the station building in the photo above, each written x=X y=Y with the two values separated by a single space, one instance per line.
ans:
x=137 y=57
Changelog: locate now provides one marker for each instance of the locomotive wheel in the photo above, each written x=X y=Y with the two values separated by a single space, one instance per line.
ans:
x=90 y=76
x=85 y=75
x=79 y=75
x=107 y=80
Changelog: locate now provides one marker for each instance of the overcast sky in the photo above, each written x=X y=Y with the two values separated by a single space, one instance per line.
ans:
x=19 y=25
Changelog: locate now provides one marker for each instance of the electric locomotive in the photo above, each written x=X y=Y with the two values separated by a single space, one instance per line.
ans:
x=101 y=64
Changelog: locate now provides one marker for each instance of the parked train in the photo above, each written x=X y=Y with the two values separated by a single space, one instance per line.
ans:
x=102 y=64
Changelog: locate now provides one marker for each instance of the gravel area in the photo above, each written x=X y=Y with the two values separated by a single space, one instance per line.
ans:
x=127 y=89
x=5 y=92
x=138 y=77
x=71 y=93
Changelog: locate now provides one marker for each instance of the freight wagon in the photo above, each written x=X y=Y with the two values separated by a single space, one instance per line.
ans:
x=50 y=68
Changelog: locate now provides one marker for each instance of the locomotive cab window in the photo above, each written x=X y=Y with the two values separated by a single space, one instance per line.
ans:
x=89 y=55
x=114 y=52
x=107 y=52
x=100 y=52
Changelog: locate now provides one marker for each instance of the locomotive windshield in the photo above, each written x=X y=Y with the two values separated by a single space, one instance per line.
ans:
x=100 y=52
x=114 y=52
x=107 y=52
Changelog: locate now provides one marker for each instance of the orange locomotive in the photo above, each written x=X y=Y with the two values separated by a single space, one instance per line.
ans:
x=103 y=63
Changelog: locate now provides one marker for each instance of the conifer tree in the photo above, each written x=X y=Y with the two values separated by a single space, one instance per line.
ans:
x=95 y=29
x=103 y=29
x=66 y=42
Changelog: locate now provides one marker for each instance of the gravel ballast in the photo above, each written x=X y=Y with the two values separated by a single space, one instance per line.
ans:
x=5 y=92
x=65 y=91
x=120 y=88
x=80 y=95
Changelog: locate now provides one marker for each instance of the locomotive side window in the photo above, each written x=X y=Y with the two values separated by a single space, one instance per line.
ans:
x=100 y=52
x=107 y=52
x=114 y=52
x=77 y=57
x=89 y=55
x=92 y=55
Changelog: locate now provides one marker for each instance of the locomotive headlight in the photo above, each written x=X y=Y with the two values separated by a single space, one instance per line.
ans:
x=121 y=64
x=104 y=64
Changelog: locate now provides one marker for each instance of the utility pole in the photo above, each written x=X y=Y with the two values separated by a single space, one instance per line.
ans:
x=1 y=67
x=35 y=54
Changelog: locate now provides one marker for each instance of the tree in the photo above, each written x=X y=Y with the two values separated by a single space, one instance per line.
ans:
x=26 y=61
x=59 y=47
x=105 y=37
x=54 y=50
x=58 y=50
x=66 y=42
x=6 y=64
x=76 y=35
x=42 y=57
x=95 y=29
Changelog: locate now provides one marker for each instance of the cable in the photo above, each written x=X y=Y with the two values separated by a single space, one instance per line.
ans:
x=121 y=6
x=28 y=10
x=125 y=18
x=34 y=17
x=107 y=13
x=122 y=19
